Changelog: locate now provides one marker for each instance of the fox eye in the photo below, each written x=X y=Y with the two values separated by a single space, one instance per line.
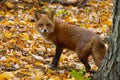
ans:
x=48 y=24
x=41 y=24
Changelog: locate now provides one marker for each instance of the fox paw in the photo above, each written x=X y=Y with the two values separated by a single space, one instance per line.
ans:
x=52 y=67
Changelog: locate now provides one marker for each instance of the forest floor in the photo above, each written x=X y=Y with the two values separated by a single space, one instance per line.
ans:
x=24 y=55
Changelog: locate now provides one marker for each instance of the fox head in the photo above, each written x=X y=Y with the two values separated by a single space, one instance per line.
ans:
x=44 y=23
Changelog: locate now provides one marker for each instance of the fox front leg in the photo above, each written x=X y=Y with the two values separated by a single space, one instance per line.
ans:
x=56 y=58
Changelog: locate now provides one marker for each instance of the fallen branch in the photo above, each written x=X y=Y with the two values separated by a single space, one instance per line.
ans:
x=68 y=2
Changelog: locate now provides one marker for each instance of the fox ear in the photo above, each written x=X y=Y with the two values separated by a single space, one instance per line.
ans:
x=51 y=16
x=37 y=15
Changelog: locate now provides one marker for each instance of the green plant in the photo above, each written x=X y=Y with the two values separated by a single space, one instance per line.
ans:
x=79 y=75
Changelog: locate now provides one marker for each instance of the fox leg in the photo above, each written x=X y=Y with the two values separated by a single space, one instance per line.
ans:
x=83 y=51
x=84 y=60
x=56 y=58
x=83 y=57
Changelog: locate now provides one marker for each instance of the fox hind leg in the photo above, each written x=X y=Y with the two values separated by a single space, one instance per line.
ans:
x=83 y=55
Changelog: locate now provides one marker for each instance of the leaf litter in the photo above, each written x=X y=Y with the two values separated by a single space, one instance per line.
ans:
x=24 y=55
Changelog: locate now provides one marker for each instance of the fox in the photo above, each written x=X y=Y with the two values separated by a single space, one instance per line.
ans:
x=65 y=35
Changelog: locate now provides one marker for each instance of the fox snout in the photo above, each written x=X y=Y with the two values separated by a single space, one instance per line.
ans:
x=42 y=30
x=45 y=30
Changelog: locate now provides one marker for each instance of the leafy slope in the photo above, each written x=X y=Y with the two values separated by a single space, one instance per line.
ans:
x=23 y=53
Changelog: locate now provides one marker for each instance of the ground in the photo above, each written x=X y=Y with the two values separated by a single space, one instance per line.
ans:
x=24 y=55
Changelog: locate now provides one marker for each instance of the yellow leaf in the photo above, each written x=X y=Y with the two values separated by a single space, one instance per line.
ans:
x=109 y=23
x=8 y=34
x=12 y=29
x=13 y=41
x=25 y=36
x=9 y=4
x=31 y=24
x=54 y=78
x=70 y=19
x=39 y=75
x=25 y=73
x=2 y=13
x=103 y=28
x=36 y=77
x=17 y=20
x=6 y=76
x=37 y=63
x=28 y=66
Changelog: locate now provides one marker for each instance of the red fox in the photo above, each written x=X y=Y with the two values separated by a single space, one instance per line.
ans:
x=65 y=35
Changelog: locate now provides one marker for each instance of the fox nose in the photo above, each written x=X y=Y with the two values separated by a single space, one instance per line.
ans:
x=45 y=30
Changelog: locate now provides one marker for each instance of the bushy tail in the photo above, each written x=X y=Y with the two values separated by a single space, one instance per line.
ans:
x=98 y=51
